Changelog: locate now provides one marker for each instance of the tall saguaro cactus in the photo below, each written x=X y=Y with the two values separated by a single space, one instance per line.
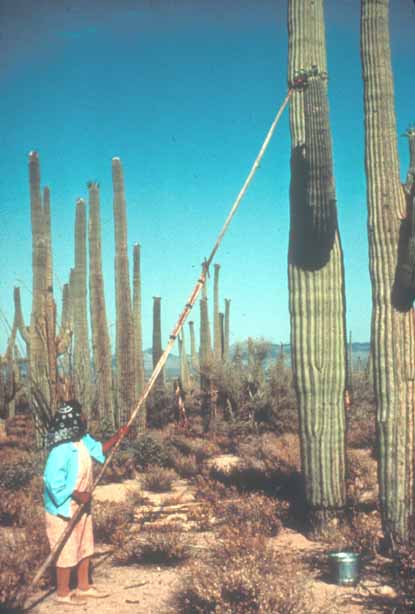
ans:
x=205 y=348
x=124 y=350
x=82 y=361
x=393 y=334
x=226 y=331
x=157 y=345
x=44 y=346
x=315 y=271
x=138 y=333
x=184 y=365
x=101 y=344
x=193 y=355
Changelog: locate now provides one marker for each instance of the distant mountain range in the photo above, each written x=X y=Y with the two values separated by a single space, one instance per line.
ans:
x=360 y=354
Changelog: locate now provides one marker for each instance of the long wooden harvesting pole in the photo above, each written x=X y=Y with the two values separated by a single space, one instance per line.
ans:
x=163 y=358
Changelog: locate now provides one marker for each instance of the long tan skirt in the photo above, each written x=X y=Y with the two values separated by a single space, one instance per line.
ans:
x=80 y=543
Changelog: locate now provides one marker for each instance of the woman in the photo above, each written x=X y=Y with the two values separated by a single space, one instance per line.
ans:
x=68 y=481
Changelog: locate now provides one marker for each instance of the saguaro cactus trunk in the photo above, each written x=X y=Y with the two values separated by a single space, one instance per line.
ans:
x=138 y=333
x=193 y=354
x=315 y=271
x=393 y=347
x=205 y=348
x=184 y=365
x=157 y=345
x=101 y=344
x=42 y=359
x=124 y=350
x=217 y=342
x=226 y=331
x=82 y=360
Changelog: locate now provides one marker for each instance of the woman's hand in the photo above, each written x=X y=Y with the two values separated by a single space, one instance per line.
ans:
x=81 y=497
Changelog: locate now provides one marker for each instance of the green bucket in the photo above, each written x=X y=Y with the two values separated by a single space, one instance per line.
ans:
x=345 y=567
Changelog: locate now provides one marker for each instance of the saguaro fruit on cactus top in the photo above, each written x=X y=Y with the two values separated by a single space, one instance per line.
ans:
x=315 y=269
x=393 y=347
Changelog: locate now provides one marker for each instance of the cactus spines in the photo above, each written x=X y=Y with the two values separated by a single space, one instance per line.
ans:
x=125 y=358
x=217 y=345
x=226 y=331
x=101 y=344
x=392 y=346
x=316 y=287
x=82 y=364
x=157 y=345
x=138 y=333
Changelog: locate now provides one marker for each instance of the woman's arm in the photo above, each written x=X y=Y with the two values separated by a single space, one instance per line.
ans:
x=110 y=443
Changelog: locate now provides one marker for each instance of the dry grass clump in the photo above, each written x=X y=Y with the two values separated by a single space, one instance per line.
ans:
x=109 y=519
x=166 y=547
x=242 y=575
x=159 y=479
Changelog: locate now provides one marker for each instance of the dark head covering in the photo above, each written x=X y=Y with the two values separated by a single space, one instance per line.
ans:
x=67 y=424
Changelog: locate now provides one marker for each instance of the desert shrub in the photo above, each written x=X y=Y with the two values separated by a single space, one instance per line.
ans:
x=19 y=558
x=362 y=477
x=251 y=513
x=17 y=506
x=240 y=576
x=121 y=467
x=109 y=519
x=15 y=476
x=362 y=534
x=147 y=450
x=202 y=449
x=361 y=415
x=167 y=547
x=404 y=578
x=185 y=466
x=159 y=479
x=161 y=408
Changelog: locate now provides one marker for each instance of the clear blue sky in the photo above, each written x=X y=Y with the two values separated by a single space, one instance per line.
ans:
x=184 y=92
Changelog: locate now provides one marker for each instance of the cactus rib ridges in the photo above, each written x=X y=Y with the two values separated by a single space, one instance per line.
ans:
x=82 y=365
x=124 y=344
x=217 y=346
x=157 y=343
x=392 y=328
x=316 y=283
x=101 y=344
x=138 y=332
x=226 y=331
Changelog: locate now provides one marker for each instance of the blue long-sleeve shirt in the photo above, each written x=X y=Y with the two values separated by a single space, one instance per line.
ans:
x=61 y=473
